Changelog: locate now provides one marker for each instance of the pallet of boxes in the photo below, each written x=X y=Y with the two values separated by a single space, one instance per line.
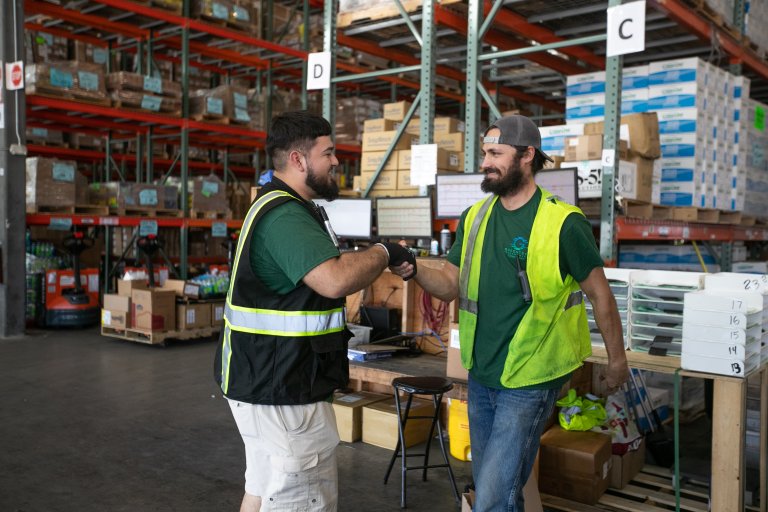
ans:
x=142 y=314
x=394 y=180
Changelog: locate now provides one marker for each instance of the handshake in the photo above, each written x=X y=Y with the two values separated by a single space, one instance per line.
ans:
x=399 y=255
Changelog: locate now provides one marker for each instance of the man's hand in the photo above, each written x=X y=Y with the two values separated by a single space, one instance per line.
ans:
x=616 y=375
x=402 y=262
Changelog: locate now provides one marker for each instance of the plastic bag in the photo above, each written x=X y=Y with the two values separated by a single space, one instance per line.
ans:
x=580 y=413
x=619 y=425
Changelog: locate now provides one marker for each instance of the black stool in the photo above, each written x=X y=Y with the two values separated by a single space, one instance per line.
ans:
x=435 y=387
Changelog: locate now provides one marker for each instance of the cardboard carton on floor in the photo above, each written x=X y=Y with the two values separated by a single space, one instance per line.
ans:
x=574 y=465
x=182 y=288
x=125 y=287
x=380 y=423
x=193 y=316
x=116 y=312
x=625 y=467
x=349 y=413
x=217 y=313
x=154 y=310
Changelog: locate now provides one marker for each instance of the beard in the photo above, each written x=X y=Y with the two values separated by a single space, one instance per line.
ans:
x=510 y=183
x=325 y=188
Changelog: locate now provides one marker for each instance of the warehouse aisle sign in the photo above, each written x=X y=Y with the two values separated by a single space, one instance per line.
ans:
x=319 y=71
x=626 y=29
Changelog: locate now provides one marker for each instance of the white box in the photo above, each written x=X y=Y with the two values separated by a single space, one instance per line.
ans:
x=634 y=78
x=684 y=120
x=586 y=106
x=585 y=83
x=720 y=334
x=723 y=300
x=553 y=137
x=678 y=145
x=634 y=101
x=732 y=366
x=692 y=69
x=751 y=267
x=683 y=95
x=721 y=350
x=683 y=193
x=584 y=120
x=590 y=177
x=721 y=318
x=682 y=169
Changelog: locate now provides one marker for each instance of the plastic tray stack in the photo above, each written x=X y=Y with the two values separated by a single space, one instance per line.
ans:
x=656 y=309
x=722 y=332
x=618 y=279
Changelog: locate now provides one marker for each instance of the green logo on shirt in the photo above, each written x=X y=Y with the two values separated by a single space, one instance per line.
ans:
x=517 y=249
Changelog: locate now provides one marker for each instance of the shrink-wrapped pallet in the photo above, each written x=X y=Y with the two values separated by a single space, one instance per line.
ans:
x=125 y=81
x=44 y=136
x=145 y=101
x=50 y=183
x=67 y=79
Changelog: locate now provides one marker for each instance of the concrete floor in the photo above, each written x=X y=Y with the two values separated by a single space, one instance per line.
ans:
x=89 y=423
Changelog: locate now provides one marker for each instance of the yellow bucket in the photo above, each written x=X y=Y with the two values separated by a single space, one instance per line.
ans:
x=458 y=429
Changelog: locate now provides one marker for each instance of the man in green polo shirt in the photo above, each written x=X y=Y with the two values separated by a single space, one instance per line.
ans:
x=521 y=261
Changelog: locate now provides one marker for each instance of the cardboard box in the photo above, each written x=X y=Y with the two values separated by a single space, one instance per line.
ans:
x=380 y=423
x=50 y=182
x=217 y=314
x=182 y=288
x=116 y=319
x=392 y=193
x=125 y=288
x=447 y=125
x=396 y=111
x=453 y=368
x=574 y=465
x=449 y=160
x=637 y=186
x=413 y=127
x=154 y=310
x=404 y=181
x=589 y=147
x=193 y=316
x=380 y=141
x=370 y=160
x=116 y=302
x=641 y=131
x=387 y=180
x=625 y=467
x=450 y=141
x=349 y=413
x=379 y=125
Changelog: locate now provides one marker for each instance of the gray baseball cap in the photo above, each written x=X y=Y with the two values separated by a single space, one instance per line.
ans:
x=516 y=130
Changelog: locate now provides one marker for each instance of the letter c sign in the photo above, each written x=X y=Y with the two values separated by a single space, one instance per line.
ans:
x=626 y=28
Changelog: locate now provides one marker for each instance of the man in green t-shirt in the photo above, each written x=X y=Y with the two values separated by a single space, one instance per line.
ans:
x=519 y=265
x=283 y=349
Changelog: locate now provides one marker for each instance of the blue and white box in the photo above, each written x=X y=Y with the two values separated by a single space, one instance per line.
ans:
x=634 y=78
x=585 y=84
x=691 y=69
x=683 y=120
x=583 y=106
x=677 y=145
x=683 y=169
x=680 y=95
x=553 y=137
x=634 y=101
x=684 y=193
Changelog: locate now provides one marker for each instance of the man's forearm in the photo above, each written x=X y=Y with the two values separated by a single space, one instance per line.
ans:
x=437 y=283
x=609 y=322
x=358 y=270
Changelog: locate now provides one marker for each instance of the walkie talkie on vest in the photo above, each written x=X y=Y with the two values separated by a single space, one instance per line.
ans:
x=525 y=286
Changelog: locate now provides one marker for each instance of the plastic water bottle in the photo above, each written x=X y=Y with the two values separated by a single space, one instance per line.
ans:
x=445 y=239
x=434 y=248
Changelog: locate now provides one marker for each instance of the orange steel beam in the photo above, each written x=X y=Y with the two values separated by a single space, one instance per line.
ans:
x=687 y=17
x=520 y=25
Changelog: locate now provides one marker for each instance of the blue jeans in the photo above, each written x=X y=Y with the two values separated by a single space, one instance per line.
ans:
x=504 y=428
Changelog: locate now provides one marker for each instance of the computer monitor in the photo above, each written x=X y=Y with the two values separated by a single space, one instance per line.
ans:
x=563 y=183
x=350 y=218
x=457 y=192
x=406 y=217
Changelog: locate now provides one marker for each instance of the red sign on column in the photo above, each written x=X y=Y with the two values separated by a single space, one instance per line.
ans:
x=14 y=75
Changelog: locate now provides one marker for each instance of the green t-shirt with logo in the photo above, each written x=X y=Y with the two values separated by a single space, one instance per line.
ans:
x=287 y=243
x=500 y=303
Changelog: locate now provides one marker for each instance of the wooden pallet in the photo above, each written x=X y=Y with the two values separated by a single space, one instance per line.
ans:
x=158 y=338
x=166 y=6
x=80 y=209
x=60 y=94
x=651 y=490
x=203 y=214
x=379 y=10
x=130 y=108
x=681 y=213
x=210 y=118
x=140 y=211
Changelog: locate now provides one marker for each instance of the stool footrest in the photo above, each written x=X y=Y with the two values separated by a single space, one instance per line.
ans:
x=427 y=467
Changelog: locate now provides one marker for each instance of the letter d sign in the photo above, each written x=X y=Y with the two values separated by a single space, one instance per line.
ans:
x=626 y=28
x=319 y=71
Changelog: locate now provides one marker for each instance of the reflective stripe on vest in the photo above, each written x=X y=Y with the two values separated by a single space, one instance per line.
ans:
x=465 y=302
x=284 y=323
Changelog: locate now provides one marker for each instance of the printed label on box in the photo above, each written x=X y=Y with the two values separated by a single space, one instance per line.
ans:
x=151 y=103
x=220 y=11
x=62 y=79
x=40 y=132
x=214 y=106
x=190 y=316
x=210 y=188
x=88 y=81
x=148 y=197
x=100 y=55
x=63 y=172
x=153 y=84
x=242 y=115
x=241 y=100
x=241 y=13
x=106 y=317
x=349 y=399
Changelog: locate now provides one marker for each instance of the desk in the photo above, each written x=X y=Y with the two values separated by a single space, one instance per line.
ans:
x=728 y=427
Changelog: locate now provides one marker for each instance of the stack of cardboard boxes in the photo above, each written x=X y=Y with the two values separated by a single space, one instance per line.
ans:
x=137 y=307
x=395 y=178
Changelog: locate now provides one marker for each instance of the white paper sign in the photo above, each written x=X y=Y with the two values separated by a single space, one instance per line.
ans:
x=2 y=116
x=319 y=71
x=609 y=157
x=423 y=164
x=626 y=29
x=14 y=75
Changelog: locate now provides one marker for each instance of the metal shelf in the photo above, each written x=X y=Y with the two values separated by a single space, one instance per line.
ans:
x=665 y=230
x=44 y=219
